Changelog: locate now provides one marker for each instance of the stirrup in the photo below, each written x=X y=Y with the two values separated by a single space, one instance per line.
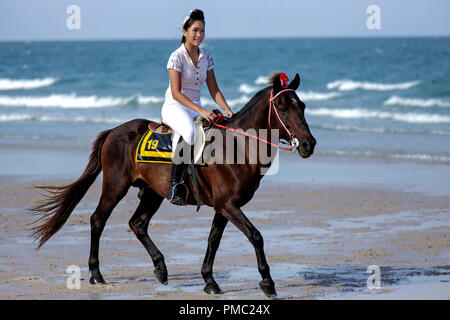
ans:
x=176 y=199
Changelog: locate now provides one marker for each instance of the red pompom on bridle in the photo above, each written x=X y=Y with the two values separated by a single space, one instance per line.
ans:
x=284 y=80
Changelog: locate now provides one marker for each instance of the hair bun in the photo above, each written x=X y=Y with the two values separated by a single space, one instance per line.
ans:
x=197 y=14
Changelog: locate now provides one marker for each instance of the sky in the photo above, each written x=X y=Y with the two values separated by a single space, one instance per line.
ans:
x=149 y=19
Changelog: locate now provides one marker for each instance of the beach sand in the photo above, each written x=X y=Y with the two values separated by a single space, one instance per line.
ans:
x=319 y=240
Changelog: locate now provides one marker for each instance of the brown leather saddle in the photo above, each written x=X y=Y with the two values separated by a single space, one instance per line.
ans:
x=159 y=127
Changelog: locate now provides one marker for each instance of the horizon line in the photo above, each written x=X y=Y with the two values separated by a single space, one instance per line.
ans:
x=231 y=38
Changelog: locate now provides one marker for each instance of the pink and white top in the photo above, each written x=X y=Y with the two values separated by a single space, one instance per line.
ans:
x=191 y=77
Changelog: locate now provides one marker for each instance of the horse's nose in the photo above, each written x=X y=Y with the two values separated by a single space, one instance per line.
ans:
x=309 y=143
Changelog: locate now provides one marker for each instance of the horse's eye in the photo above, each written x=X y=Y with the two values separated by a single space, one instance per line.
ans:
x=282 y=109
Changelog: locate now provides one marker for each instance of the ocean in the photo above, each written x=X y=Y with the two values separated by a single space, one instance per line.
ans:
x=376 y=98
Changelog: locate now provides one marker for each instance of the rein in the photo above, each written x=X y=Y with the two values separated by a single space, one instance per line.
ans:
x=294 y=141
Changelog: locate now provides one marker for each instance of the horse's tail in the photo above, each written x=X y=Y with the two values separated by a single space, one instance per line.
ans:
x=61 y=201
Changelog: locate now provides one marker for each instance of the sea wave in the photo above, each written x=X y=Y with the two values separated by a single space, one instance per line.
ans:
x=262 y=80
x=348 y=84
x=247 y=89
x=416 y=102
x=386 y=155
x=149 y=99
x=26 y=84
x=303 y=95
x=18 y=117
x=317 y=96
x=75 y=101
x=380 y=130
x=232 y=103
x=356 y=129
x=367 y=114
x=15 y=117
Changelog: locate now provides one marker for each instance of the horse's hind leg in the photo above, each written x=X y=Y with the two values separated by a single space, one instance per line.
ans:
x=215 y=236
x=111 y=195
x=150 y=203
x=237 y=217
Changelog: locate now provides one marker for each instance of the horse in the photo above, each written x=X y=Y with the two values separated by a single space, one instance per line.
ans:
x=224 y=187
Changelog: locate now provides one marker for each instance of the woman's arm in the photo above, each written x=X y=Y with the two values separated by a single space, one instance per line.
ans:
x=216 y=94
x=175 y=87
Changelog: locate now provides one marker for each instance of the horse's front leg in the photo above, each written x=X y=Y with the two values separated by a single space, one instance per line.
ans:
x=215 y=236
x=237 y=217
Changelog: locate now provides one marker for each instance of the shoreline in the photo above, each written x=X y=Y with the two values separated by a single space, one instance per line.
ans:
x=359 y=172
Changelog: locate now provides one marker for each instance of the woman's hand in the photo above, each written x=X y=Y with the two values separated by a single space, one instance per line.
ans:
x=208 y=115
x=228 y=112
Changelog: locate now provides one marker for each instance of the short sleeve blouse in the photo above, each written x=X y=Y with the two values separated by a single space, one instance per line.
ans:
x=191 y=77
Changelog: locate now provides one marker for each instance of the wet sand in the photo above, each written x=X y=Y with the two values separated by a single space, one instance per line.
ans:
x=319 y=241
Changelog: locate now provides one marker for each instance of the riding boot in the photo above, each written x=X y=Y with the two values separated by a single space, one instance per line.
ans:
x=178 y=191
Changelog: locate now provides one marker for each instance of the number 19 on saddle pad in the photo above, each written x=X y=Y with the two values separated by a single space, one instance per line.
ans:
x=155 y=147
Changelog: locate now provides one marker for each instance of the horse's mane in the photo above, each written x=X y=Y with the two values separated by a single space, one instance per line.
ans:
x=256 y=98
x=275 y=75
x=249 y=105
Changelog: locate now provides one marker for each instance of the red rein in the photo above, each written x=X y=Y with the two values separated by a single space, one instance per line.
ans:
x=220 y=117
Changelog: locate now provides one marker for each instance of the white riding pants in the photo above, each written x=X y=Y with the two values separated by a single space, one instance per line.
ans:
x=180 y=119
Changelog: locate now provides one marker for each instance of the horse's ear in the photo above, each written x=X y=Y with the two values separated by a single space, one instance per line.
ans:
x=295 y=83
x=276 y=85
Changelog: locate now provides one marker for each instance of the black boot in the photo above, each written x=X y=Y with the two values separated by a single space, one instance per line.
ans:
x=178 y=191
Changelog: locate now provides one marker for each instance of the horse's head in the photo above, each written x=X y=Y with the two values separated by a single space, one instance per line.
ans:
x=288 y=114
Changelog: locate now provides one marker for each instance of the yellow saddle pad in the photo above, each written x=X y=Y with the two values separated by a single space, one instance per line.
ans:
x=158 y=147
x=155 y=147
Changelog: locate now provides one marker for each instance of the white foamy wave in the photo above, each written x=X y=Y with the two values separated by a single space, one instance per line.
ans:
x=422 y=157
x=25 y=84
x=75 y=101
x=381 y=130
x=79 y=119
x=363 y=114
x=15 y=117
x=353 y=129
x=316 y=96
x=238 y=102
x=415 y=102
x=49 y=118
x=440 y=132
x=63 y=101
x=348 y=84
x=402 y=156
x=247 y=89
x=262 y=80
x=149 y=99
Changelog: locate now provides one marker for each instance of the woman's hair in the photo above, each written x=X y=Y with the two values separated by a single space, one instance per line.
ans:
x=195 y=15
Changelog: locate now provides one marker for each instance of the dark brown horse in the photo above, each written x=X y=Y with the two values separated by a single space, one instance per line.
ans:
x=225 y=187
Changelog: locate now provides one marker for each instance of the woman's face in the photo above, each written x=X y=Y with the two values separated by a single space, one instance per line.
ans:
x=195 y=33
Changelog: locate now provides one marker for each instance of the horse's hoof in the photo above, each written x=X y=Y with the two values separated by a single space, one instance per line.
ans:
x=268 y=288
x=160 y=275
x=97 y=280
x=212 y=288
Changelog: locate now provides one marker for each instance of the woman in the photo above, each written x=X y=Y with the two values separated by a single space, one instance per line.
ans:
x=188 y=66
